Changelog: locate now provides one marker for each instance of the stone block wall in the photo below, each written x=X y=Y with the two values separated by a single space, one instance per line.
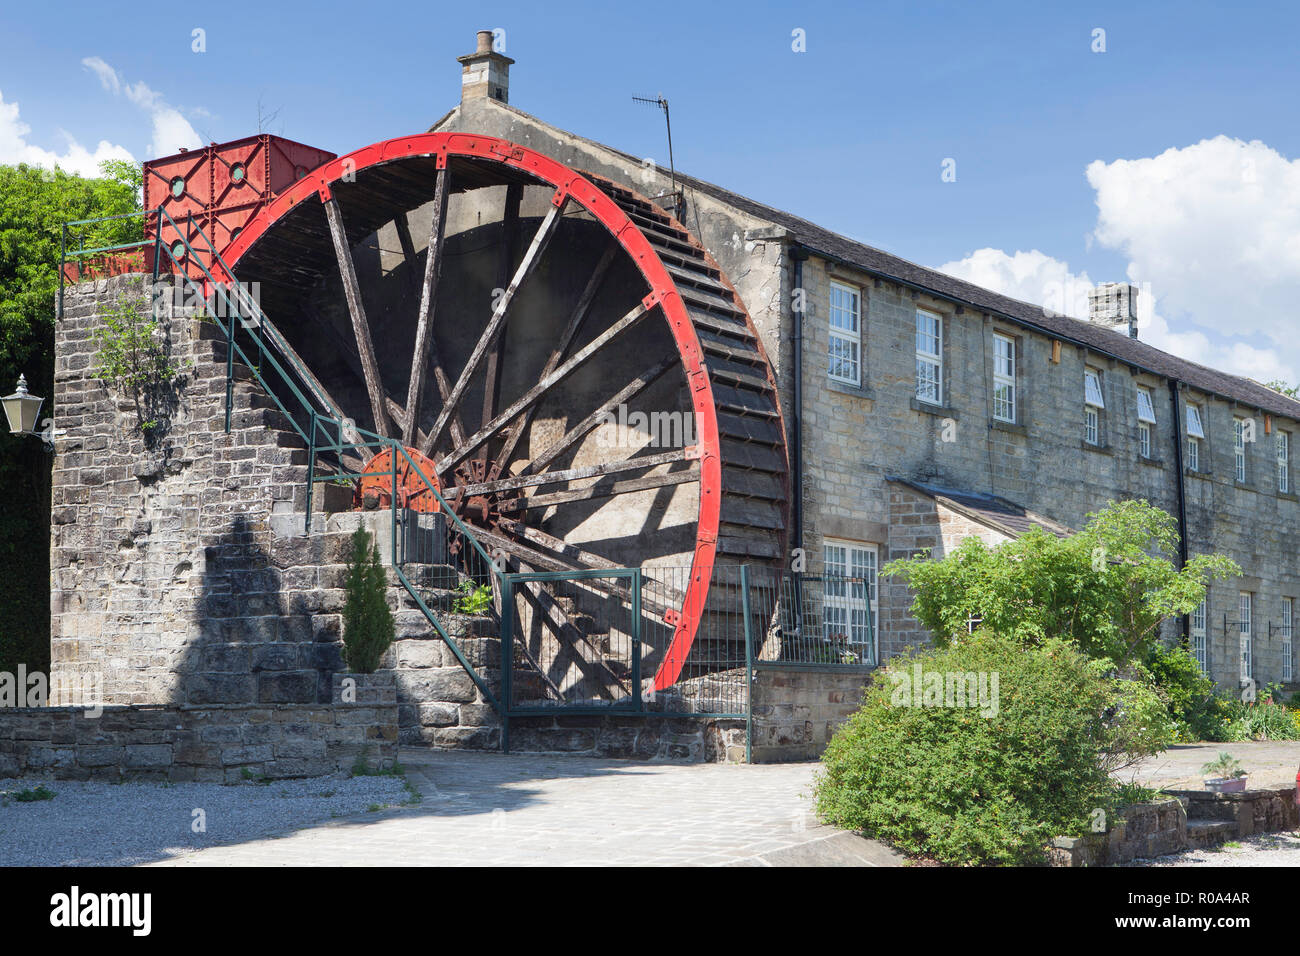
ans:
x=1180 y=820
x=219 y=744
x=797 y=710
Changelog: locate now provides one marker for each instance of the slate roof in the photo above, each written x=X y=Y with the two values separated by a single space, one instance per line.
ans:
x=1079 y=331
x=989 y=510
x=881 y=264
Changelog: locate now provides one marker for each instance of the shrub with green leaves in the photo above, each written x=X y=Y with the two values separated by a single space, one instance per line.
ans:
x=947 y=783
x=1198 y=713
x=367 y=620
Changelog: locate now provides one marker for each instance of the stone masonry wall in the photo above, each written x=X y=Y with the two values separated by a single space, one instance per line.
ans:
x=796 y=711
x=917 y=523
x=219 y=744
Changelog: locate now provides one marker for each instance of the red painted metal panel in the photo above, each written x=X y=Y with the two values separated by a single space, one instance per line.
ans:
x=181 y=184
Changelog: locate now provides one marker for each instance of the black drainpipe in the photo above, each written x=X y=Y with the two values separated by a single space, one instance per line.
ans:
x=1181 y=480
x=797 y=301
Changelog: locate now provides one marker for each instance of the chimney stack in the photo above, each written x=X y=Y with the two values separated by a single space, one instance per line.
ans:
x=485 y=73
x=1114 y=305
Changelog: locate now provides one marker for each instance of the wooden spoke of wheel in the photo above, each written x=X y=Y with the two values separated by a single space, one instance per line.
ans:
x=599 y=490
x=552 y=559
x=585 y=654
x=537 y=391
x=531 y=257
x=625 y=394
x=515 y=482
x=425 y=354
x=581 y=310
x=506 y=258
x=357 y=311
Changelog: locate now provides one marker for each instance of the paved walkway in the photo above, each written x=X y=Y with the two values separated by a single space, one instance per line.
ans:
x=514 y=810
x=1270 y=763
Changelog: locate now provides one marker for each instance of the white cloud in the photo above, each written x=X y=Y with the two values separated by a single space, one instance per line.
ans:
x=14 y=147
x=171 y=131
x=1212 y=235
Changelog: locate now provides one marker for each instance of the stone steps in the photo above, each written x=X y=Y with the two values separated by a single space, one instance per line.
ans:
x=1206 y=833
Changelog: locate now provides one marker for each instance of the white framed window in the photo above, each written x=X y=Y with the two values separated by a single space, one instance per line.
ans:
x=1004 y=378
x=844 y=361
x=1093 y=403
x=1283 y=462
x=1195 y=434
x=1198 y=636
x=929 y=357
x=1288 y=611
x=1239 y=448
x=850 y=590
x=1146 y=419
x=1244 y=603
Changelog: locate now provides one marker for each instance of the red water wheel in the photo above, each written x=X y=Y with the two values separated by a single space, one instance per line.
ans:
x=570 y=364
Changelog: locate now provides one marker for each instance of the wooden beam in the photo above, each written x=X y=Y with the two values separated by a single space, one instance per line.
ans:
x=626 y=393
x=533 y=394
x=509 y=248
x=584 y=653
x=576 y=319
x=516 y=482
x=598 y=490
x=408 y=249
x=360 y=326
x=551 y=562
x=531 y=257
x=425 y=352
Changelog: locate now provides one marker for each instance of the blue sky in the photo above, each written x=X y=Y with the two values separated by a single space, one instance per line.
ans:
x=851 y=133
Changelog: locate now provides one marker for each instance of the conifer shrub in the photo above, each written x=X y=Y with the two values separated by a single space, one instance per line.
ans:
x=367 y=620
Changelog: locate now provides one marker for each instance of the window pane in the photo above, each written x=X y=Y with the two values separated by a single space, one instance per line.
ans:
x=927 y=334
x=844 y=308
x=1092 y=390
x=1146 y=409
x=1194 y=428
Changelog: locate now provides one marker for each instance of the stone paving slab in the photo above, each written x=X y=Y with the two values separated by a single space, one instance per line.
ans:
x=519 y=810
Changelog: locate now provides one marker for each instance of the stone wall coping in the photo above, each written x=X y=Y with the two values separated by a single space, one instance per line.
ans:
x=815 y=668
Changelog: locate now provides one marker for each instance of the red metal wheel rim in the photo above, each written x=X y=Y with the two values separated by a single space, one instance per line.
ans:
x=663 y=292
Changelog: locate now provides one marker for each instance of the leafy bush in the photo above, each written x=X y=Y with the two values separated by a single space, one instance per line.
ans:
x=948 y=783
x=1106 y=588
x=367 y=621
x=1197 y=712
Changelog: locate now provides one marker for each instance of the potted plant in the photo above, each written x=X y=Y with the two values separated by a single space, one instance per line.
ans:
x=1224 y=775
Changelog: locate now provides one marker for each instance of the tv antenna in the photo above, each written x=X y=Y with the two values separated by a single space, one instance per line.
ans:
x=676 y=194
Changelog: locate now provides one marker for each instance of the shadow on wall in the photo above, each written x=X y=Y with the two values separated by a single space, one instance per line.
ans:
x=262 y=637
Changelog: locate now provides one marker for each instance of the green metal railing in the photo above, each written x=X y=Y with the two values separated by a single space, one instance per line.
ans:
x=608 y=627
x=326 y=430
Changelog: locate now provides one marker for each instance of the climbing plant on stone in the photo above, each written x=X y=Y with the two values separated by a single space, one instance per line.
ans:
x=133 y=359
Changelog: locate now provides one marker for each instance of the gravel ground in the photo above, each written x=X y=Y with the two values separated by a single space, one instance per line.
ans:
x=1267 y=849
x=106 y=824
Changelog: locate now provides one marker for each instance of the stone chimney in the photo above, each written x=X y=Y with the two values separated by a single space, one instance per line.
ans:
x=485 y=73
x=1114 y=305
